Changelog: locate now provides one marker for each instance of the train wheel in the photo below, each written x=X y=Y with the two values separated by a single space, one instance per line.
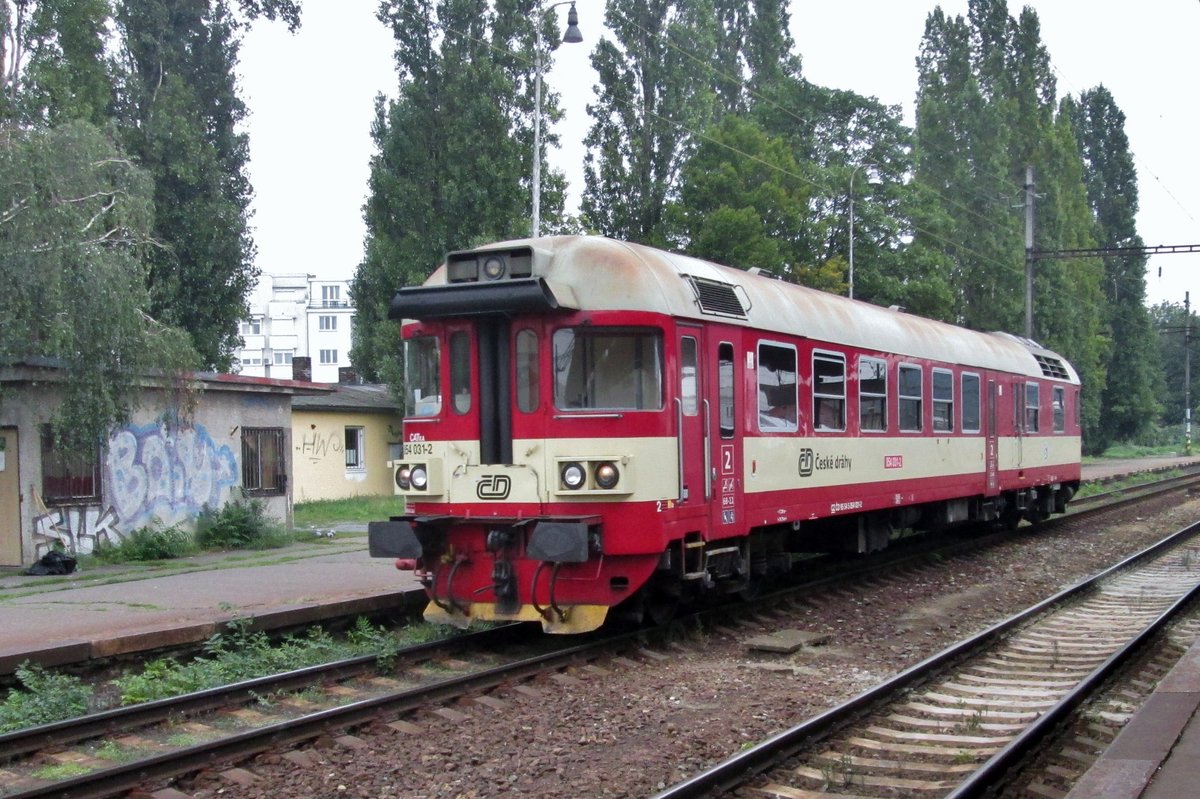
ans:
x=662 y=599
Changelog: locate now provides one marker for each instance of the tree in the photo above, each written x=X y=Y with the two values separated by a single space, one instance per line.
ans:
x=60 y=68
x=179 y=113
x=453 y=153
x=77 y=220
x=654 y=95
x=1134 y=372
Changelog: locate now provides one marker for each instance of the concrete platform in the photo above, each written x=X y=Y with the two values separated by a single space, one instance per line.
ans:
x=116 y=610
x=1157 y=754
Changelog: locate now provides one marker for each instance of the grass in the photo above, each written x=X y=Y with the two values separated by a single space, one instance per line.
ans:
x=1119 y=451
x=326 y=512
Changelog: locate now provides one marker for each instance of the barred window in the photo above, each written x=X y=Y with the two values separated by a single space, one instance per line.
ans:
x=69 y=476
x=264 y=461
x=354 y=449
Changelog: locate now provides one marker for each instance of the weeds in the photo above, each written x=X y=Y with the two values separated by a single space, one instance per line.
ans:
x=156 y=541
x=43 y=698
x=240 y=525
x=239 y=654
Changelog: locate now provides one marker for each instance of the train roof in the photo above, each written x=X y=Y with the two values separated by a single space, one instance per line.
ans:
x=595 y=273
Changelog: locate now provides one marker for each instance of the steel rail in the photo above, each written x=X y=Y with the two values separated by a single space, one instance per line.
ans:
x=128 y=776
x=31 y=739
x=736 y=770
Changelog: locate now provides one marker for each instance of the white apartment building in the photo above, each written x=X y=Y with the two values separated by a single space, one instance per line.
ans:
x=293 y=316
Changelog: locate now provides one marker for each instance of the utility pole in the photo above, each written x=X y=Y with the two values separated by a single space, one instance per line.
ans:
x=1187 y=373
x=1029 y=252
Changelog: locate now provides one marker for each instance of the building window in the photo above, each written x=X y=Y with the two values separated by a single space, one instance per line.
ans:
x=829 y=391
x=355 y=444
x=970 y=403
x=776 y=388
x=331 y=296
x=283 y=358
x=326 y=322
x=872 y=394
x=252 y=328
x=68 y=477
x=329 y=356
x=909 y=390
x=264 y=461
x=943 y=401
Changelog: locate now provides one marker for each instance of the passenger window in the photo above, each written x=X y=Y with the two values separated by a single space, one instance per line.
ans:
x=909 y=390
x=829 y=391
x=528 y=390
x=872 y=394
x=943 y=401
x=687 y=376
x=1060 y=409
x=1032 y=407
x=460 y=371
x=725 y=409
x=970 y=404
x=777 y=388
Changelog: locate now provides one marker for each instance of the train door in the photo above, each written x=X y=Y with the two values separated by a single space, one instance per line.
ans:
x=10 y=499
x=991 y=456
x=689 y=420
x=495 y=388
x=724 y=447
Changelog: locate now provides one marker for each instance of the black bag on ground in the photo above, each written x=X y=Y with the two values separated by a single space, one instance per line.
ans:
x=53 y=562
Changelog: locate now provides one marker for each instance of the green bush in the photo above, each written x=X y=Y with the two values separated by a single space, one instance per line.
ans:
x=240 y=525
x=154 y=542
x=44 y=697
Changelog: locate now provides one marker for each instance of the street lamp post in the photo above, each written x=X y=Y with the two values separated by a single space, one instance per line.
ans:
x=571 y=35
x=850 y=275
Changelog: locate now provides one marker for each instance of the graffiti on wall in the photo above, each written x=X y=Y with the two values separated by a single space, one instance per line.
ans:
x=75 y=529
x=315 y=446
x=166 y=473
x=153 y=472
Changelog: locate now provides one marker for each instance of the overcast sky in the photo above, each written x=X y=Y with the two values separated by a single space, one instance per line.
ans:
x=311 y=101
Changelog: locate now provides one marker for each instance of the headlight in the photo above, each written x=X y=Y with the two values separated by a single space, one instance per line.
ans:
x=419 y=478
x=403 y=477
x=607 y=475
x=573 y=475
x=493 y=268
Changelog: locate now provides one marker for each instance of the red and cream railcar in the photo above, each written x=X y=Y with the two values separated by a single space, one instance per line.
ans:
x=592 y=423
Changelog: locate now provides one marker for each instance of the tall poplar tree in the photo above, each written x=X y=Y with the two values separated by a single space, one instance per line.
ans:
x=179 y=113
x=453 y=152
x=1134 y=371
x=655 y=95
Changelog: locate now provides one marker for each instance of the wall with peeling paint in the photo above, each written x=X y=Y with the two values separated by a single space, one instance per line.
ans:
x=156 y=469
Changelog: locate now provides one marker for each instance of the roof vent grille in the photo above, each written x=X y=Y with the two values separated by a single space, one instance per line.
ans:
x=715 y=297
x=1052 y=367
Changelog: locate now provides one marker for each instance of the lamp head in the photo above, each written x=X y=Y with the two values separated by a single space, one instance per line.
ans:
x=572 y=36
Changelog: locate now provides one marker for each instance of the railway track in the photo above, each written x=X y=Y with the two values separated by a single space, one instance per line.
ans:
x=953 y=725
x=276 y=712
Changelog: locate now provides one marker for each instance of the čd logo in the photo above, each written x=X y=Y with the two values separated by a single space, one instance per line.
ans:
x=493 y=486
x=806 y=462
